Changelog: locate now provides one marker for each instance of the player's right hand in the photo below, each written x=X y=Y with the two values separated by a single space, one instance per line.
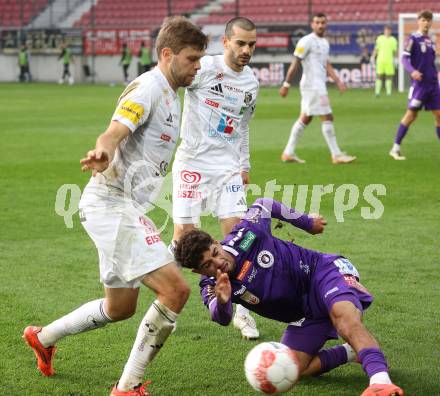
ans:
x=223 y=288
x=284 y=91
x=318 y=224
x=96 y=160
x=416 y=75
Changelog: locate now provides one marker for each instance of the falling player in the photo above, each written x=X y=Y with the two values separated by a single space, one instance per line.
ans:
x=312 y=51
x=212 y=163
x=419 y=61
x=318 y=295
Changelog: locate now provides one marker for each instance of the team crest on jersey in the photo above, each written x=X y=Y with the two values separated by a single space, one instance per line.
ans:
x=265 y=259
x=247 y=98
x=219 y=76
x=250 y=298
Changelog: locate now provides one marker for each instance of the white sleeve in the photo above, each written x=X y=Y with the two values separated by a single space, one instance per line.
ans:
x=134 y=105
x=302 y=48
x=245 y=156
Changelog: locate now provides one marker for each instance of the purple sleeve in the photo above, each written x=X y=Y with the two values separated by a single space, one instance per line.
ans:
x=220 y=313
x=406 y=62
x=278 y=210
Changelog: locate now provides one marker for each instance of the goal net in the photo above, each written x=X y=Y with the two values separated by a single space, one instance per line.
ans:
x=408 y=25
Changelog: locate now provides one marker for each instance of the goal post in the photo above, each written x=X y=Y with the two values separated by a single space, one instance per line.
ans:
x=408 y=25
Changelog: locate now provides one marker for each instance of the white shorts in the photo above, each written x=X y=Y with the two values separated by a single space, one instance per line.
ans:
x=315 y=102
x=200 y=192
x=128 y=244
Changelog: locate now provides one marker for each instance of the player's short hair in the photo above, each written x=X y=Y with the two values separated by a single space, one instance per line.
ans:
x=191 y=247
x=241 y=22
x=427 y=14
x=177 y=33
x=318 y=15
x=389 y=27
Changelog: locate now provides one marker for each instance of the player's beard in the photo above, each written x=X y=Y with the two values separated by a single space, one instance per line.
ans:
x=240 y=60
x=181 y=79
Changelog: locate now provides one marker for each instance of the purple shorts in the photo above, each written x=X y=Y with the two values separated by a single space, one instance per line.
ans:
x=333 y=281
x=422 y=96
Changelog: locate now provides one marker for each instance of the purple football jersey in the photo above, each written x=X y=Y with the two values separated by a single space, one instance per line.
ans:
x=272 y=277
x=421 y=52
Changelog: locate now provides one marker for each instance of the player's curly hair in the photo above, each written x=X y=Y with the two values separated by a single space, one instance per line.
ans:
x=190 y=248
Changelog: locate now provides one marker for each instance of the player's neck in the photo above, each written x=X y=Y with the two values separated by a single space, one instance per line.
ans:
x=423 y=33
x=232 y=66
x=165 y=71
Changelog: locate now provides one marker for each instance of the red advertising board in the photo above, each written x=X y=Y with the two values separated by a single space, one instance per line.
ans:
x=110 y=41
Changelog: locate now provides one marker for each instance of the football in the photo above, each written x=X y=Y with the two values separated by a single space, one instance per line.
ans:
x=271 y=368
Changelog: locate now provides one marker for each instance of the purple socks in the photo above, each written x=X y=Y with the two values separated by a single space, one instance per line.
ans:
x=373 y=361
x=401 y=132
x=332 y=358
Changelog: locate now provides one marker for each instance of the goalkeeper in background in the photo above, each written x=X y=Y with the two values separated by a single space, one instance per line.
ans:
x=385 y=53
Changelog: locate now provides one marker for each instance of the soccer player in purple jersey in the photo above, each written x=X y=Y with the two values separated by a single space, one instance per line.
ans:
x=419 y=61
x=318 y=295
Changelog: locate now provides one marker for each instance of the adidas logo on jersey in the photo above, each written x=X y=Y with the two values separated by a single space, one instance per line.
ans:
x=241 y=202
x=217 y=89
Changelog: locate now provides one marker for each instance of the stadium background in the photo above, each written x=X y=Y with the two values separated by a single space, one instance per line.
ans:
x=48 y=269
x=96 y=29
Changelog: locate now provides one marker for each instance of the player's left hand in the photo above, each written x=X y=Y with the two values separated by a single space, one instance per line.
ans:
x=223 y=288
x=341 y=86
x=318 y=224
x=245 y=177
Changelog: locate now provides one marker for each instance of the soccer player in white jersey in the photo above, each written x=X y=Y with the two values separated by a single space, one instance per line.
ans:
x=212 y=166
x=312 y=51
x=128 y=164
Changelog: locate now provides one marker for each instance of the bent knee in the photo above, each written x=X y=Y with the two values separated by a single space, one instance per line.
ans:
x=118 y=313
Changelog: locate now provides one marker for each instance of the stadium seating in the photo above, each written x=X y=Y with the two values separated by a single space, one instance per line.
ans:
x=282 y=11
x=136 y=14
x=14 y=13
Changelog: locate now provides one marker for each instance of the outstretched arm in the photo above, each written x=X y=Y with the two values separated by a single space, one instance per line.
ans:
x=216 y=295
x=313 y=224
x=99 y=158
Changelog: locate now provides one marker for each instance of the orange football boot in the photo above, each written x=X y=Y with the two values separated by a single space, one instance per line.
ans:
x=44 y=355
x=383 y=390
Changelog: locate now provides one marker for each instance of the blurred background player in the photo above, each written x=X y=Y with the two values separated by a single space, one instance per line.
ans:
x=312 y=51
x=212 y=163
x=125 y=61
x=419 y=61
x=23 y=63
x=365 y=66
x=318 y=295
x=126 y=165
x=66 y=59
x=385 y=53
x=144 y=56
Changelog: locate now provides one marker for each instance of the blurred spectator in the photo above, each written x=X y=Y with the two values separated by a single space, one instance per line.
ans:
x=23 y=63
x=144 y=59
x=125 y=61
x=66 y=57
x=366 y=68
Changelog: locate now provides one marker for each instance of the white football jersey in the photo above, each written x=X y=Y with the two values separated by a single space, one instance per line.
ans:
x=313 y=52
x=150 y=108
x=217 y=109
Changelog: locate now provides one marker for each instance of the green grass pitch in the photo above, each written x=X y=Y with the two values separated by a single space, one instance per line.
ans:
x=47 y=269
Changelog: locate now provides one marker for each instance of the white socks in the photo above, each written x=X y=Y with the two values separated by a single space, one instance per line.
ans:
x=154 y=329
x=328 y=132
x=89 y=316
x=396 y=147
x=241 y=311
x=380 y=378
x=351 y=354
x=295 y=133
